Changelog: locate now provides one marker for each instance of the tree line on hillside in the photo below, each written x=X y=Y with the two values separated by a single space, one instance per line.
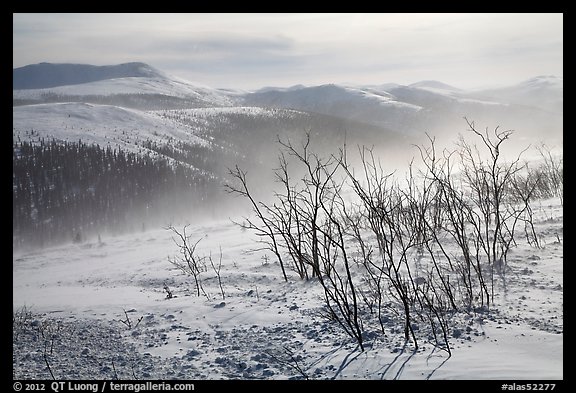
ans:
x=69 y=190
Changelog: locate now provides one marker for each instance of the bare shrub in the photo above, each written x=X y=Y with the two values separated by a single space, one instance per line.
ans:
x=188 y=261
x=420 y=250
x=194 y=265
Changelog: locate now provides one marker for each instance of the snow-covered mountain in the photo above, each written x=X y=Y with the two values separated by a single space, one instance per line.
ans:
x=105 y=125
x=434 y=85
x=128 y=103
x=531 y=108
x=368 y=105
x=544 y=92
x=44 y=75
x=135 y=85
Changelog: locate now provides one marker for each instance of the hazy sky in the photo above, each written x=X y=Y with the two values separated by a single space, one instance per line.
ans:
x=250 y=51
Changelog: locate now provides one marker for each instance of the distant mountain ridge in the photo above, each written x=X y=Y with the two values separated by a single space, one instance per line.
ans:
x=433 y=85
x=427 y=106
x=544 y=91
x=46 y=75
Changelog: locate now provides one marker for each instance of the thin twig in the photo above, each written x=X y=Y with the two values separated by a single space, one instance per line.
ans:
x=48 y=365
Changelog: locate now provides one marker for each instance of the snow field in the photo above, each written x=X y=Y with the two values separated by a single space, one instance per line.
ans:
x=264 y=328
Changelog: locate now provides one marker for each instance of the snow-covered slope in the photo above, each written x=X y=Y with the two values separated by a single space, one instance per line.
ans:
x=43 y=75
x=370 y=106
x=101 y=124
x=70 y=82
x=132 y=85
x=127 y=104
x=427 y=106
x=434 y=86
x=128 y=128
x=545 y=92
x=225 y=134
x=531 y=107
x=326 y=98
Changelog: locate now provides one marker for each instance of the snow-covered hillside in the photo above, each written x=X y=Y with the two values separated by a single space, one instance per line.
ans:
x=544 y=92
x=224 y=132
x=435 y=85
x=132 y=130
x=43 y=75
x=370 y=106
x=73 y=81
x=423 y=107
x=105 y=125
x=427 y=106
x=137 y=86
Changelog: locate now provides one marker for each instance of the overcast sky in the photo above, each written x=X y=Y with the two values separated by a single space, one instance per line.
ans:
x=250 y=51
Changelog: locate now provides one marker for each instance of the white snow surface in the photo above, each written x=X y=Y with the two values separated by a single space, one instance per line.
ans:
x=263 y=326
x=108 y=125
x=170 y=86
x=101 y=124
x=382 y=96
